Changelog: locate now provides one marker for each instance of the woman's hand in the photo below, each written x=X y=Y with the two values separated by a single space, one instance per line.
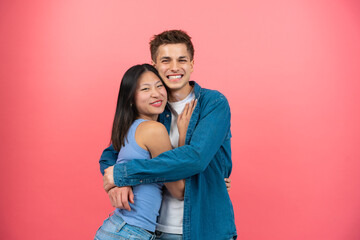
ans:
x=227 y=183
x=121 y=196
x=108 y=178
x=184 y=119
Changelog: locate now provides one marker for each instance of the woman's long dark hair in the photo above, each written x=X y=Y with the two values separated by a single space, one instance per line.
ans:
x=126 y=112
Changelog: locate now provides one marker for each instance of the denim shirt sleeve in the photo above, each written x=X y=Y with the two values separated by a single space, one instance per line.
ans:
x=211 y=130
x=108 y=158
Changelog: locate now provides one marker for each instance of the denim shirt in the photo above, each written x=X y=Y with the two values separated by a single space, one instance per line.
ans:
x=204 y=161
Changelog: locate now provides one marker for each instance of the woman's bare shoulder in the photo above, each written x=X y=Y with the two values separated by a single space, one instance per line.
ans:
x=154 y=137
x=152 y=129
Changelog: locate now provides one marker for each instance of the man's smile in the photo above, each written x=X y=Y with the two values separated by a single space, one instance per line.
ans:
x=174 y=77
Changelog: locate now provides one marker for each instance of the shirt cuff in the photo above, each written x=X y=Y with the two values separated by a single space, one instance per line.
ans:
x=120 y=176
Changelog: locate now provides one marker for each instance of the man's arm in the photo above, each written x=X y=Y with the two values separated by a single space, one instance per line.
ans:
x=119 y=196
x=108 y=158
x=211 y=131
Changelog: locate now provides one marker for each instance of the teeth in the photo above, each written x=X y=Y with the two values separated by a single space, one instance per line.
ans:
x=174 y=77
x=156 y=102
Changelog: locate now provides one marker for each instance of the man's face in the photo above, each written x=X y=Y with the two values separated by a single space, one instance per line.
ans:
x=174 y=65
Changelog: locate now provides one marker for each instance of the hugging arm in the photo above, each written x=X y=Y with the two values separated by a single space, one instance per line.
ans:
x=177 y=188
x=108 y=158
x=211 y=131
x=119 y=196
x=157 y=142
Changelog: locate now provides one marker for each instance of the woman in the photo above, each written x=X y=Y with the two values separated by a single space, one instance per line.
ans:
x=137 y=135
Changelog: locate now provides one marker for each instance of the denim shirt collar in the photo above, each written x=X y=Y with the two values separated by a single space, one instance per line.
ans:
x=197 y=89
x=165 y=117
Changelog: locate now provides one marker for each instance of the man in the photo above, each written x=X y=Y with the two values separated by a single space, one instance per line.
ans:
x=205 y=160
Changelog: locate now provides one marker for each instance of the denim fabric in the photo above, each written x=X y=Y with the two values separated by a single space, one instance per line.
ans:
x=167 y=236
x=203 y=162
x=114 y=227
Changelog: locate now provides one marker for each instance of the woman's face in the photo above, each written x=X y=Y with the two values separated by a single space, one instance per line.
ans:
x=150 y=96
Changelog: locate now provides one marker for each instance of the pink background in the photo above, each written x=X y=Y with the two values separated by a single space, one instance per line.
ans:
x=290 y=69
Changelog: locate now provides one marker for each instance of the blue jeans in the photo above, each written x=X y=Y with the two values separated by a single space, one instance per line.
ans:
x=114 y=227
x=167 y=236
x=171 y=236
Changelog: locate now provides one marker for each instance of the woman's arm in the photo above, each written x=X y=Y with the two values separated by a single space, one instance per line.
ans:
x=212 y=131
x=154 y=136
x=183 y=121
x=177 y=188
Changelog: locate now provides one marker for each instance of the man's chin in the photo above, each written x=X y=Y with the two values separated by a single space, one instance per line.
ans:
x=176 y=85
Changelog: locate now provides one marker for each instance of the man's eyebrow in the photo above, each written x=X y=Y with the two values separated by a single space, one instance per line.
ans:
x=167 y=57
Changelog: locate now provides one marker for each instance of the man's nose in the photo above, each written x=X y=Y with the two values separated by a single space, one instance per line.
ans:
x=174 y=66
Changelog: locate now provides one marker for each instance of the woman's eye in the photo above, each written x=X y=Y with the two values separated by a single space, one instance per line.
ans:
x=144 y=89
x=159 y=86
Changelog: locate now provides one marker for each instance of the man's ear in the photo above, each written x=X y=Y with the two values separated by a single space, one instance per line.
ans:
x=153 y=63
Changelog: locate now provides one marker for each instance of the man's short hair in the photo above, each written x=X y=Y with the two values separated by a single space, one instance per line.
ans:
x=170 y=37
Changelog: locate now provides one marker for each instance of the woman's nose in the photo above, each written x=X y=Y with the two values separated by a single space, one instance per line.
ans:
x=155 y=92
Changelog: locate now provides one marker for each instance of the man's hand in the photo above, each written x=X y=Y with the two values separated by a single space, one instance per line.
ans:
x=227 y=183
x=108 y=179
x=120 y=197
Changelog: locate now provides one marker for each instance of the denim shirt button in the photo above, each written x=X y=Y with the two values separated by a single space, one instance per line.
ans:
x=167 y=115
x=141 y=181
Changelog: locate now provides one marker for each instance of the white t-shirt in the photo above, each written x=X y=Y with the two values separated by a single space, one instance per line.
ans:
x=170 y=219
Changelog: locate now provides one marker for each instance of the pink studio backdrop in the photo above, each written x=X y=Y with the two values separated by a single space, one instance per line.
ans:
x=290 y=70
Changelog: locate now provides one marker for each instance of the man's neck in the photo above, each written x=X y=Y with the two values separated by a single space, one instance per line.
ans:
x=180 y=94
